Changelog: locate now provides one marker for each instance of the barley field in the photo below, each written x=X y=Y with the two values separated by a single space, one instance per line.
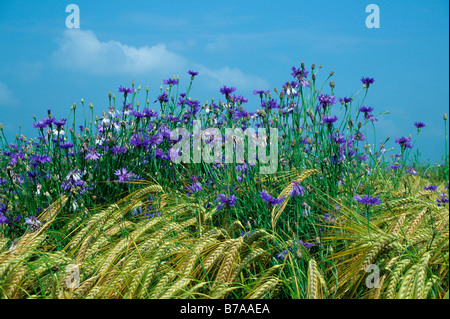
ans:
x=112 y=209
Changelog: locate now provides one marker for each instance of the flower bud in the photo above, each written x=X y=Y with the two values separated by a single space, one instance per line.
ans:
x=332 y=85
x=313 y=66
x=445 y=117
x=331 y=73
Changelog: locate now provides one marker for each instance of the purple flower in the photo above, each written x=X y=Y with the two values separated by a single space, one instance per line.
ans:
x=395 y=166
x=225 y=201
x=162 y=98
x=367 y=81
x=338 y=138
x=227 y=90
x=367 y=200
x=271 y=104
x=297 y=189
x=194 y=188
x=404 y=142
x=170 y=82
x=40 y=159
x=325 y=101
x=4 y=220
x=365 y=109
x=126 y=91
x=411 y=170
x=442 y=200
x=60 y=122
x=299 y=73
x=192 y=73
x=33 y=222
x=93 y=155
x=328 y=218
x=66 y=145
x=329 y=120
x=118 y=150
x=431 y=188
x=258 y=92
x=40 y=125
x=419 y=125
x=345 y=100
x=150 y=113
x=271 y=200
x=137 y=114
x=307 y=245
x=123 y=174
x=138 y=140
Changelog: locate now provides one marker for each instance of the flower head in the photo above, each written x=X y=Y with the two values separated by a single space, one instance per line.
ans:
x=126 y=91
x=192 y=73
x=366 y=81
x=404 y=142
x=297 y=189
x=325 y=101
x=123 y=175
x=226 y=201
x=227 y=90
x=367 y=200
x=431 y=188
x=419 y=125
x=269 y=199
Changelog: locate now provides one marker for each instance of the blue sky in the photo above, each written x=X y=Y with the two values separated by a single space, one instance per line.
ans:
x=245 y=44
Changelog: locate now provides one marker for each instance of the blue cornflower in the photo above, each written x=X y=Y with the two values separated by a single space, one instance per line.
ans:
x=226 y=201
x=404 y=142
x=93 y=155
x=329 y=120
x=271 y=200
x=126 y=91
x=60 y=122
x=40 y=125
x=123 y=174
x=66 y=145
x=325 y=101
x=411 y=170
x=192 y=73
x=431 y=188
x=40 y=159
x=227 y=90
x=171 y=82
x=367 y=200
x=395 y=166
x=162 y=98
x=366 y=81
x=345 y=100
x=419 y=125
x=118 y=150
x=297 y=189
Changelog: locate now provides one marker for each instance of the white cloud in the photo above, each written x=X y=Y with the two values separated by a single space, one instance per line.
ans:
x=7 y=98
x=81 y=51
x=233 y=77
